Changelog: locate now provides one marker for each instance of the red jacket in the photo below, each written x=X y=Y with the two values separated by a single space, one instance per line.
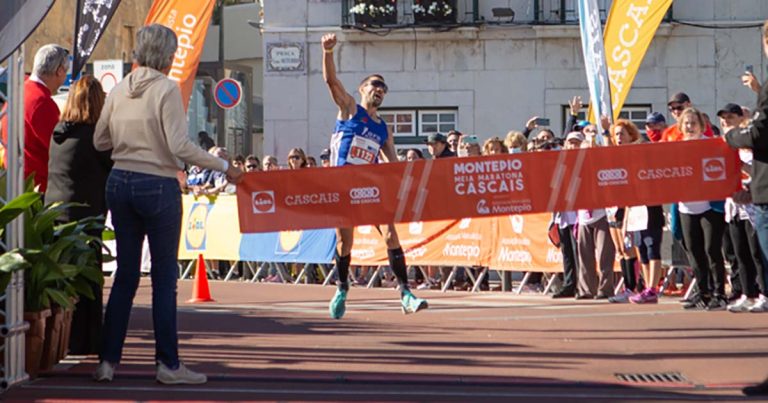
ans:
x=41 y=114
x=672 y=133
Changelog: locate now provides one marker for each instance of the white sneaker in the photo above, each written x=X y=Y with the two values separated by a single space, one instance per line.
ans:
x=761 y=305
x=178 y=376
x=622 y=297
x=743 y=304
x=104 y=372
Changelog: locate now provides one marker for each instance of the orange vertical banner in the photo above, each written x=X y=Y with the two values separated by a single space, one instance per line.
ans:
x=189 y=20
x=629 y=30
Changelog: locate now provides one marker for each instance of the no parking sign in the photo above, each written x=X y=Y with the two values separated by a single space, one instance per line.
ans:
x=228 y=93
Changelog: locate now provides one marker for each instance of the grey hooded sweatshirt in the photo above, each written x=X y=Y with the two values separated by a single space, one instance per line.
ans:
x=144 y=123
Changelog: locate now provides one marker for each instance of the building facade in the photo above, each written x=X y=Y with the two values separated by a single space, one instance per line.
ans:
x=238 y=129
x=488 y=66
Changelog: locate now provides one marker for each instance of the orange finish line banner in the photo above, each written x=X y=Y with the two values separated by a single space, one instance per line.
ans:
x=451 y=188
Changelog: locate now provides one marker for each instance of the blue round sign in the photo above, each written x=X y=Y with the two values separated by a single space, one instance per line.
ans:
x=228 y=93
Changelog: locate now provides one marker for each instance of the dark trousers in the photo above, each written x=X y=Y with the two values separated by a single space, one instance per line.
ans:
x=144 y=205
x=747 y=250
x=730 y=256
x=569 y=250
x=703 y=235
x=761 y=228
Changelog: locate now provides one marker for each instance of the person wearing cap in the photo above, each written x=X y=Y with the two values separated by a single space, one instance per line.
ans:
x=325 y=158
x=731 y=115
x=655 y=124
x=676 y=105
x=469 y=146
x=361 y=136
x=437 y=144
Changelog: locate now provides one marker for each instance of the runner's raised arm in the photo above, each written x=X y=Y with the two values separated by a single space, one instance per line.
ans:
x=340 y=96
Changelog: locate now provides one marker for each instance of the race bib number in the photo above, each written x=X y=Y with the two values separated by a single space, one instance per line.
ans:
x=362 y=151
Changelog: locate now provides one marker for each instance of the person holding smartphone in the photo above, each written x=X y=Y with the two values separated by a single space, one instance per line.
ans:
x=755 y=137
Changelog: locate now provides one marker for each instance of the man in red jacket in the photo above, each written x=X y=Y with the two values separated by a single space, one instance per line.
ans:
x=40 y=111
x=676 y=105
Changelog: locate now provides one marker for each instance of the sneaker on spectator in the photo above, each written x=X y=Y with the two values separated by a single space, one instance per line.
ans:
x=717 y=303
x=734 y=296
x=622 y=297
x=104 y=372
x=741 y=305
x=648 y=296
x=533 y=288
x=273 y=279
x=761 y=305
x=179 y=376
x=697 y=302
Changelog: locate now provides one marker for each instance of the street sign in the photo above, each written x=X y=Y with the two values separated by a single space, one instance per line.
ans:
x=108 y=72
x=228 y=93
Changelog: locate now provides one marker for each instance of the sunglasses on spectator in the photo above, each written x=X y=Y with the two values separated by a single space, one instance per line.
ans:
x=676 y=108
x=294 y=157
x=379 y=84
x=251 y=166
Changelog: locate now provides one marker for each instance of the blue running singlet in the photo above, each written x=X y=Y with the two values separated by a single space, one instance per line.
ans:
x=358 y=140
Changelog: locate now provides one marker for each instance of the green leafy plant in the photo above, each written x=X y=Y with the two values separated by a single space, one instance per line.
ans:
x=60 y=261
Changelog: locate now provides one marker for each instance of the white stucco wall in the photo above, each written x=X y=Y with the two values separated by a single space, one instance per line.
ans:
x=497 y=76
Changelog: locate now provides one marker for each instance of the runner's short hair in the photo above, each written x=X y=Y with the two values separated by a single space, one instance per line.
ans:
x=366 y=79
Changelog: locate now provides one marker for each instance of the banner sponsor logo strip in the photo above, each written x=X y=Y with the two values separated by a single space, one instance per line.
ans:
x=455 y=188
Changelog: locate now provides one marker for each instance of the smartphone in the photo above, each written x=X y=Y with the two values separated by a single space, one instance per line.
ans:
x=750 y=69
x=542 y=122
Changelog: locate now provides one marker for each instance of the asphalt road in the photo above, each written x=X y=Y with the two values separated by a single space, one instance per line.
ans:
x=274 y=342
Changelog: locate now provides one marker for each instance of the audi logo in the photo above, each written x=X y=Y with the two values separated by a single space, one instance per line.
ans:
x=364 y=193
x=616 y=174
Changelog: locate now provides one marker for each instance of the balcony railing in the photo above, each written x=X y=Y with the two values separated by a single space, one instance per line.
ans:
x=400 y=13
x=451 y=13
x=564 y=11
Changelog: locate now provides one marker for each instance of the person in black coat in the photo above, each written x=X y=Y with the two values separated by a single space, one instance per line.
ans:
x=755 y=137
x=78 y=173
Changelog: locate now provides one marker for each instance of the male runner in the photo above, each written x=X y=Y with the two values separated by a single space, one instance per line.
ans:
x=360 y=137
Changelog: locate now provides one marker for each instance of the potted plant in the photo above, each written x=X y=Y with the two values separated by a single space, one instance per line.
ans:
x=374 y=12
x=434 y=11
x=59 y=263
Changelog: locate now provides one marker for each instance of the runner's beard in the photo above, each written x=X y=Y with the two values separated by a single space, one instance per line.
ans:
x=375 y=101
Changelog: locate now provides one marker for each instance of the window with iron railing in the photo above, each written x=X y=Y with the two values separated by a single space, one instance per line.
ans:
x=565 y=11
x=394 y=13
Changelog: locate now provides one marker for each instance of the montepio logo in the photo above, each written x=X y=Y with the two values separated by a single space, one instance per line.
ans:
x=713 y=169
x=263 y=202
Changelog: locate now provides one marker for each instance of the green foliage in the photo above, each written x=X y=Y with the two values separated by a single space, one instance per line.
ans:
x=60 y=261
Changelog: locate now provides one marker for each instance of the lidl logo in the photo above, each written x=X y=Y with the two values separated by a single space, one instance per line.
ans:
x=289 y=242
x=195 y=227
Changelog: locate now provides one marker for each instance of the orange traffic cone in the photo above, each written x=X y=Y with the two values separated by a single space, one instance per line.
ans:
x=200 y=291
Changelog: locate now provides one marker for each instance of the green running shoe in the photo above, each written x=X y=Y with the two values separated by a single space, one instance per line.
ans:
x=338 y=304
x=411 y=304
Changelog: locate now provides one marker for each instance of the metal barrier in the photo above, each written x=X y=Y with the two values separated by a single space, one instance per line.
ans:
x=12 y=301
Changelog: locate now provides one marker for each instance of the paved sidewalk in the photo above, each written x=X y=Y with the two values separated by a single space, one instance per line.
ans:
x=276 y=342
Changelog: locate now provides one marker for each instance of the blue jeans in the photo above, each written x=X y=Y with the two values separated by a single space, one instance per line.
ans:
x=761 y=227
x=144 y=205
